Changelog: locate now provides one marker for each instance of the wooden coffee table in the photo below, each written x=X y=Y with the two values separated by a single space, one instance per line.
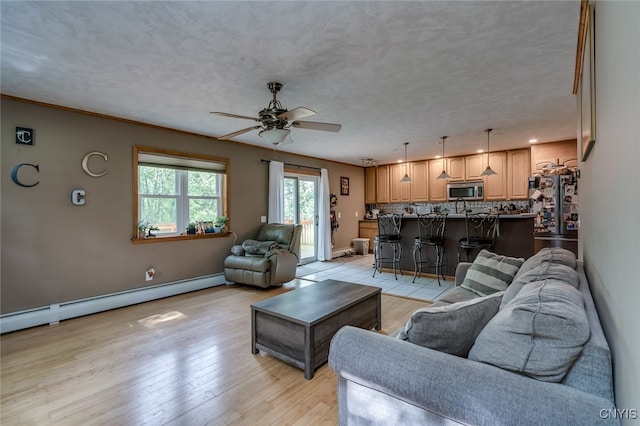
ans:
x=297 y=326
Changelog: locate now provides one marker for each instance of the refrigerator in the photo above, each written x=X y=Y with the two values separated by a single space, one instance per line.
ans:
x=554 y=200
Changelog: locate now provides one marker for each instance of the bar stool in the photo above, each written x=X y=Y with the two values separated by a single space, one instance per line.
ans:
x=431 y=234
x=388 y=234
x=481 y=231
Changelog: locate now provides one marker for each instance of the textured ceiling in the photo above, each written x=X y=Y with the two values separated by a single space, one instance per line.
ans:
x=389 y=72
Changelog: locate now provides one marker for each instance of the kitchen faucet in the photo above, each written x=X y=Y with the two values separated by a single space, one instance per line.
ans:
x=464 y=205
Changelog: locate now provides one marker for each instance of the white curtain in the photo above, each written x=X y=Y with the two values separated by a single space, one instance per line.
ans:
x=324 y=218
x=276 y=192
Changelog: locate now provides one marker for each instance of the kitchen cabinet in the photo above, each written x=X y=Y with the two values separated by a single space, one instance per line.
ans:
x=474 y=166
x=382 y=184
x=563 y=153
x=495 y=186
x=518 y=172
x=399 y=192
x=368 y=229
x=456 y=167
x=437 y=187
x=370 y=185
x=420 y=184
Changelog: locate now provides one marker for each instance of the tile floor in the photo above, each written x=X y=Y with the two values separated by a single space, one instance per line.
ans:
x=360 y=271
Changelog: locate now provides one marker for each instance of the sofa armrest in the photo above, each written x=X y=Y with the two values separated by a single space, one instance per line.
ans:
x=237 y=250
x=283 y=266
x=461 y=271
x=455 y=388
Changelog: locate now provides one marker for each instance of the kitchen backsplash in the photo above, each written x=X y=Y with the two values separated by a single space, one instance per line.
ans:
x=450 y=207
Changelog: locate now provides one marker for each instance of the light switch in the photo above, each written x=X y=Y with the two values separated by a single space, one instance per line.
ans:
x=263 y=219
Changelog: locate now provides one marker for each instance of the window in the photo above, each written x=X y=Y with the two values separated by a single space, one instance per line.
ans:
x=173 y=189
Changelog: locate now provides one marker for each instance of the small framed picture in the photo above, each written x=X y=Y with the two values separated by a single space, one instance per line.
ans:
x=344 y=185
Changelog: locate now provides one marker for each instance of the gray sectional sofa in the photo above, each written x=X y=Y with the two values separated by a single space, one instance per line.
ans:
x=531 y=354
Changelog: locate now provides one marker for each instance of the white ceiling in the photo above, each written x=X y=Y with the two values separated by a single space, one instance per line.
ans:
x=390 y=72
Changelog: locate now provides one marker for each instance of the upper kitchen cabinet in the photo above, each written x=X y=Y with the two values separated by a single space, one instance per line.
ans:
x=474 y=166
x=456 y=167
x=495 y=186
x=370 y=185
x=563 y=153
x=420 y=184
x=437 y=187
x=518 y=163
x=382 y=184
x=399 y=191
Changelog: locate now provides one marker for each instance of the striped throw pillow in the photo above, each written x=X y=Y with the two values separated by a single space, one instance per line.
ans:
x=491 y=273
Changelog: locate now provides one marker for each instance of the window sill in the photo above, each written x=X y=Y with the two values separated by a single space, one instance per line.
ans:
x=179 y=238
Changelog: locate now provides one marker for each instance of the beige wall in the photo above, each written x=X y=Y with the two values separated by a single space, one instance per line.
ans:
x=53 y=251
x=610 y=194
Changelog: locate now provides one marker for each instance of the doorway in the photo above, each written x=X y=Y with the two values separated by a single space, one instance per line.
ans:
x=301 y=207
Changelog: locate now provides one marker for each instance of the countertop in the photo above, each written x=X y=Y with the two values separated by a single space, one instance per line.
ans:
x=462 y=216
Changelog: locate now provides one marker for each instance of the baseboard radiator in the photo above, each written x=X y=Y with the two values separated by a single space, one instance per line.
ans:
x=55 y=313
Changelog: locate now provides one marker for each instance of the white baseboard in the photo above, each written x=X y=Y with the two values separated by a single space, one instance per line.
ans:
x=55 y=313
x=341 y=252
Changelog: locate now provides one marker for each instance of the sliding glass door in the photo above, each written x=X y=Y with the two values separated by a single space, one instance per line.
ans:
x=301 y=207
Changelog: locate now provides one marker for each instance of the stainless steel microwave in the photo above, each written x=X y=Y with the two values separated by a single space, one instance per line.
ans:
x=471 y=190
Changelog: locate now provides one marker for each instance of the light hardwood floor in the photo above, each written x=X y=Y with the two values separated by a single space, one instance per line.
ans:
x=183 y=360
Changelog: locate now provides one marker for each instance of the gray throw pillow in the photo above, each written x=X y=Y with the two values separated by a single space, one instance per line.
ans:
x=452 y=328
x=539 y=333
x=545 y=270
x=490 y=273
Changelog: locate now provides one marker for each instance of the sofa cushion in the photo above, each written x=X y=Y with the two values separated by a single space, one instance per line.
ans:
x=456 y=294
x=539 y=333
x=556 y=255
x=543 y=271
x=490 y=273
x=452 y=328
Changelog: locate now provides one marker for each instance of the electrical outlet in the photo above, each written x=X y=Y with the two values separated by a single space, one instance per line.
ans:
x=263 y=219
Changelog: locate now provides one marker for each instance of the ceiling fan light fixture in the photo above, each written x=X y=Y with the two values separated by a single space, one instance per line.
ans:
x=488 y=171
x=274 y=136
x=444 y=174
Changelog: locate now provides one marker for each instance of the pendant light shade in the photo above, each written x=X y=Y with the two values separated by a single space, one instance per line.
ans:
x=488 y=171
x=444 y=174
x=406 y=177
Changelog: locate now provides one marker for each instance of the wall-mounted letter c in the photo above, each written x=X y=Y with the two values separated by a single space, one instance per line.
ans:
x=14 y=174
x=85 y=164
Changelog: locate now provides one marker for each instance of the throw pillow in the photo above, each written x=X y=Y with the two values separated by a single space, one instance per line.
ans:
x=541 y=272
x=490 y=273
x=452 y=328
x=539 y=333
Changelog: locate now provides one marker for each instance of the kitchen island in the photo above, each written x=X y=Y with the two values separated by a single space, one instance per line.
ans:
x=515 y=239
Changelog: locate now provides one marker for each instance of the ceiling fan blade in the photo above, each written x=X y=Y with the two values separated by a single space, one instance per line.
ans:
x=226 y=114
x=297 y=113
x=239 y=132
x=314 y=125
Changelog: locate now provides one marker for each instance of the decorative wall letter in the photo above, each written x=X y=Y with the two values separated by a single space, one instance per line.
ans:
x=77 y=197
x=24 y=136
x=85 y=164
x=14 y=174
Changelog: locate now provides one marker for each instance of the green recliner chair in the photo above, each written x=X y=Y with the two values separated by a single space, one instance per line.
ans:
x=269 y=260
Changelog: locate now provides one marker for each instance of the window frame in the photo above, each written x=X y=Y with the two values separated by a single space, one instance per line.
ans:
x=137 y=150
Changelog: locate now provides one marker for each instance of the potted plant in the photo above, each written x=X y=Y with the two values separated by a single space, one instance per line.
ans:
x=220 y=224
x=143 y=225
x=152 y=228
x=191 y=229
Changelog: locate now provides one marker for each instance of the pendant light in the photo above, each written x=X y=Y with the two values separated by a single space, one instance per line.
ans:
x=444 y=174
x=406 y=177
x=488 y=171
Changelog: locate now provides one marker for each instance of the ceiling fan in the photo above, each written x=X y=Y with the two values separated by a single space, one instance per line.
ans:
x=275 y=120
